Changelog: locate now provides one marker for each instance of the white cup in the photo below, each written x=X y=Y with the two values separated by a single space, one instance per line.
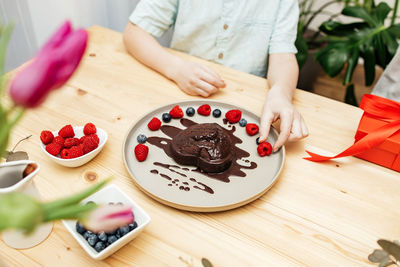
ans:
x=12 y=180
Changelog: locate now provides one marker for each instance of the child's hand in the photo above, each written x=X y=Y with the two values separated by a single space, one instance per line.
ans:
x=278 y=106
x=196 y=79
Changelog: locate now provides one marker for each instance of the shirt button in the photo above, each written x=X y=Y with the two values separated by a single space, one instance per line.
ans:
x=220 y=55
x=226 y=26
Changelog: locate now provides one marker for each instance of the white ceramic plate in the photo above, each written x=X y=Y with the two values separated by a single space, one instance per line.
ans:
x=79 y=161
x=193 y=194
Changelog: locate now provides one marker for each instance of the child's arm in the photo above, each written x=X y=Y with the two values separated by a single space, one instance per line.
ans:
x=192 y=78
x=283 y=72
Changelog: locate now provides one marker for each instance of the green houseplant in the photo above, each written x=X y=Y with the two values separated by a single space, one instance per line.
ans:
x=373 y=37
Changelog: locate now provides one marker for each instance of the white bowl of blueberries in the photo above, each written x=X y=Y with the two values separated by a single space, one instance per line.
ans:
x=101 y=245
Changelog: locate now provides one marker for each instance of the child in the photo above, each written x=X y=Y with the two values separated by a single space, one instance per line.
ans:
x=245 y=35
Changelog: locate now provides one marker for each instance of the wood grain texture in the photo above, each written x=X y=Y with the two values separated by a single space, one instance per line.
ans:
x=317 y=214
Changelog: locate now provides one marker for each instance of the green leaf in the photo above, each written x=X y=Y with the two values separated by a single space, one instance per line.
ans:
x=367 y=53
x=333 y=57
x=20 y=211
x=380 y=51
x=350 y=97
x=386 y=262
x=351 y=65
x=359 y=12
x=381 y=12
x=339 y=29
x=206 y=263
x=74 y=199
x=394 y=30
x=4 y=38
x=302 y=50
x=378 y=255
x=390 y=42
x=18 y=155
x=391 y=248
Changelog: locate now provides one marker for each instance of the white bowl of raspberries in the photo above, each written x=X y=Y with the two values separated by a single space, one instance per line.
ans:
x=73 y=146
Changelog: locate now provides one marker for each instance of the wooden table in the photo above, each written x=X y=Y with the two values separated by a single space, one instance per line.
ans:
x=317 y=214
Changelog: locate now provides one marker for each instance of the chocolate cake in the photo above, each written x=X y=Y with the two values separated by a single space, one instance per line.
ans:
x=207 y=146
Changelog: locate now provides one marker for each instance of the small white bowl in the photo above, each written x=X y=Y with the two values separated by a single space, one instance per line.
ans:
x=79 y=161
x=110 y=193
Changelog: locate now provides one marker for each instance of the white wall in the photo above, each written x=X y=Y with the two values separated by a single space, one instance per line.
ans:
x=35 y=20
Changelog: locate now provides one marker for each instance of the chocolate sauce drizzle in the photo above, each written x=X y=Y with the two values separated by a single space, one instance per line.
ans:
x=234 y=169
x=184 y=186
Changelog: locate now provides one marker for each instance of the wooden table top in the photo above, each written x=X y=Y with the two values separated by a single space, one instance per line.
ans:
x=317 y=214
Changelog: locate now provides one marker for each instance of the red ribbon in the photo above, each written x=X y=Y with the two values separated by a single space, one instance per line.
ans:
x=374 y=107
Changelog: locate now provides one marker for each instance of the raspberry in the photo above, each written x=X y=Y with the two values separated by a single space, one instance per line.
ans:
x=204 y=110
x=176 y=112
x=89 y=128
x=66 y=131
x=233 y=115
x=70 y=142
x=251 y=129
x=264 y=149
x=75 y=151
x=141 y=152
x=95 y=138
x=46 y=137
x=154 y=124
x=59 y=140
x=89 y=144
x=53 y=149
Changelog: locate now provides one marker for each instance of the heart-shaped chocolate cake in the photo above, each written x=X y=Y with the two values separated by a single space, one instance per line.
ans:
x=207 y=146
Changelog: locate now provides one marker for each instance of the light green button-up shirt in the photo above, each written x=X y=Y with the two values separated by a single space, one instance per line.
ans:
x=236 y=33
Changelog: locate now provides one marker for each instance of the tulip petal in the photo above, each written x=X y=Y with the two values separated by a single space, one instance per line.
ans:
x=108 y=218
x=57 y=38
x=52 y=67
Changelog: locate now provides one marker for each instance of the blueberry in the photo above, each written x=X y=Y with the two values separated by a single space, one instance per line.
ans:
x=217 y=113
x=92 y=240
x=124 y=230
x=133 y=225
x=258 y=140
x=166 y=117
x=111 y=239
x=141 y=138
x=242 y=122
x=112 y=233
x=102 y=236
x=99 y=246
x=190 y=111
x=87 y=234
x=79 y=228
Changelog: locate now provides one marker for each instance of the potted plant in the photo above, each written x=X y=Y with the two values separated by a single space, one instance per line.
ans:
x=310 y=40
x=370 y=38
x=338 y=46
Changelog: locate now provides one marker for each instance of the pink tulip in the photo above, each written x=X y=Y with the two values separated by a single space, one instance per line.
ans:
x=51 y=68
x=108 y=218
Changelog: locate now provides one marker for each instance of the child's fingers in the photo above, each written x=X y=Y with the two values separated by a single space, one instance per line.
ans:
x=201 y=92
x=207 y=77
x=265 y=125
x=217 y=81
x=304 y=128
x=296 y=132
x=286 y=126
x=206 y=87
